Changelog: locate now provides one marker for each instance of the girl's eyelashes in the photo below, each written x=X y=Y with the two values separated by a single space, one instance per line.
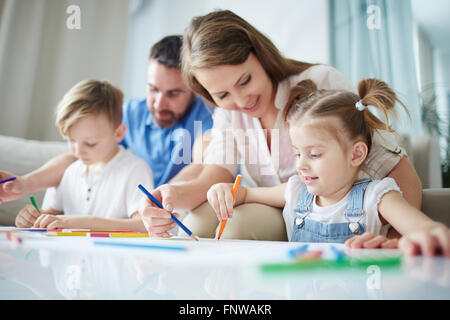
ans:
x=311 y=155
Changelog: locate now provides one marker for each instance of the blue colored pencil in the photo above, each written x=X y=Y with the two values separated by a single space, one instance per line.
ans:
x=294 y=253
x=138 y=245
x=178 y=222
x=6 y=180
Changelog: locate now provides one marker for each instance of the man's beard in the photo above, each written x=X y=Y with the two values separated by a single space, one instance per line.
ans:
x=167 y=121
x=173 y=118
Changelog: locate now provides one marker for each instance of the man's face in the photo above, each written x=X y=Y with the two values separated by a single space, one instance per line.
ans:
x=168 y=98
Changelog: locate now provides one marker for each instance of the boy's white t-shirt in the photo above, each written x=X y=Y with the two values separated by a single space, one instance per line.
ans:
x=335 y=213
x=109 y=192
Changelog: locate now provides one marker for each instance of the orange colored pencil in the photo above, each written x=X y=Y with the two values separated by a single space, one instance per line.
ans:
x=223 y=223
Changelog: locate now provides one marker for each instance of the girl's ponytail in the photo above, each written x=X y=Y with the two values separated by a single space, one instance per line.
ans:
x=376 y=93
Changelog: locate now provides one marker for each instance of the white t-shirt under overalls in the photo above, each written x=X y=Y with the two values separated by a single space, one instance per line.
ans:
x=336 y=212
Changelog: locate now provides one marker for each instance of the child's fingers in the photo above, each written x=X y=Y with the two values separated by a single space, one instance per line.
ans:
x=230 y=203
x=348 y=242
x=407 y=246
x=25 y=217
x=22 y=223
x=223 y=210
x=359 y=240
x=390 y=244
x=37 y=223
x=442 y=236
x=214 y=202
x=374 y=242
x=428 y=245
x=56 y=224
x=43 y=221
x=31 y=210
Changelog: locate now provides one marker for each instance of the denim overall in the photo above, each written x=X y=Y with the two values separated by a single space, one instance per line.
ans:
x=308 y=230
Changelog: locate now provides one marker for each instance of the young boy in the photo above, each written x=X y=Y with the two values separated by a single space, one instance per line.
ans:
x=99 y=190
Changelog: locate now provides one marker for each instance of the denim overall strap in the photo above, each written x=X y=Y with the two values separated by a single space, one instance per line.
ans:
x=356 y=198
x=303 y=207
x=355 y=205
x=304 y=203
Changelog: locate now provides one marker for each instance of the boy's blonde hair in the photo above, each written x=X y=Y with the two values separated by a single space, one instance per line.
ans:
x=89 y=97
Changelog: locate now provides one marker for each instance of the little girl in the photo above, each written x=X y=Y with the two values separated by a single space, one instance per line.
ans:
x=331 y=133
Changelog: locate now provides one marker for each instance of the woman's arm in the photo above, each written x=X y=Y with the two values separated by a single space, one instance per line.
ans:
x=193 y=193
x=409 y=182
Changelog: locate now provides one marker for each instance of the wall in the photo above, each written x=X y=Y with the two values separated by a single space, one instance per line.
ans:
x=299 y=28
x=40 y=58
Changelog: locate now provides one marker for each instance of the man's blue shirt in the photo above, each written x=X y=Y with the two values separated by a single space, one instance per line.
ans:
x=166 y=150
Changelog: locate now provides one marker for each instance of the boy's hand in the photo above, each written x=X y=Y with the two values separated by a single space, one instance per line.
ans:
x=11 y=190
x=220 y=197
x=158 y=221
x=27 y=216
x=50 y=220
x=428 y=242
x=369 y=240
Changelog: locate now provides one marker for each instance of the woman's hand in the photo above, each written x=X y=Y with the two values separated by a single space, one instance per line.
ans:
x=220 y=197
x=158 y=221
x=428 y=242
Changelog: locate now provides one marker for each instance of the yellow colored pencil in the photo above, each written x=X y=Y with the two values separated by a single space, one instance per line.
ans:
x=223 y=223
x=128 y=235
x=68 y=234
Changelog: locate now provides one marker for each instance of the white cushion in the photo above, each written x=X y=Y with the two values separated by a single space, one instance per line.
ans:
x=21 y=156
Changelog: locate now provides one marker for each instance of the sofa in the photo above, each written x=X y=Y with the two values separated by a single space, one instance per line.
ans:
x=21 y=156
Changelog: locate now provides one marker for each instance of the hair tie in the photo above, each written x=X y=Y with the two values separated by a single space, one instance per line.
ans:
x=359 y=105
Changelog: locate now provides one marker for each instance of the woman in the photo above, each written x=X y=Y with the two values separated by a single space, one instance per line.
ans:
x=239 y=70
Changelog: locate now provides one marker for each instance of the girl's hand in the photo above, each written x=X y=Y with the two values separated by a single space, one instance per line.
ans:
x=158 y=221
x=428 y=242
x=369 y=240
x=220 y=197
x=27 y=216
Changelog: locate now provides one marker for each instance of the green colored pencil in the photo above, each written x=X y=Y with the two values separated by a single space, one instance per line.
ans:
x=33 y=202
x=331 y=264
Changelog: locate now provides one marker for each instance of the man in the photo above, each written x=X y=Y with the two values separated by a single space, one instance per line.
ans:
x=159 y=128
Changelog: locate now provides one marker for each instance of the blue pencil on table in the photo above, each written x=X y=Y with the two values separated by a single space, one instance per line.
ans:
x=6 y=180
x=178 y=222
x=296 y=252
